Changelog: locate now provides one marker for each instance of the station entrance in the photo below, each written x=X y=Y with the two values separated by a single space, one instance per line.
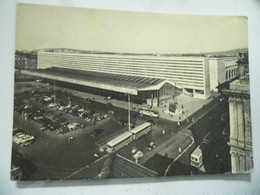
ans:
x=159 y=96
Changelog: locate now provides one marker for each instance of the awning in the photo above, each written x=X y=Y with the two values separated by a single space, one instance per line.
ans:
x=113 y=82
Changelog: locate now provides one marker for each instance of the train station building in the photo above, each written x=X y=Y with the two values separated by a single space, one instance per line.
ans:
x=150 y=79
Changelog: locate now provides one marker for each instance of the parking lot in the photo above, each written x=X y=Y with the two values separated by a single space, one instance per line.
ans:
x=67 y=131
x=71 y=132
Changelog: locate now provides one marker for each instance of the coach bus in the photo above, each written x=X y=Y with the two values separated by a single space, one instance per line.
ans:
x=119 y=142
x=149 y=112
x=141 y=130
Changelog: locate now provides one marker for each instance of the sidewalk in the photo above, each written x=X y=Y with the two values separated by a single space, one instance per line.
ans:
x=185 y=108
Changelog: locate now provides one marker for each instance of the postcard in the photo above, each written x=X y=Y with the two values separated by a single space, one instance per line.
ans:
x=115 y=94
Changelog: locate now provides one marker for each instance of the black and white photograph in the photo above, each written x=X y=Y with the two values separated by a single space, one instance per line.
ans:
x=104 y=94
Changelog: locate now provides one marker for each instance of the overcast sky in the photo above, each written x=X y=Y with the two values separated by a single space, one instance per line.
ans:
x=39 y=27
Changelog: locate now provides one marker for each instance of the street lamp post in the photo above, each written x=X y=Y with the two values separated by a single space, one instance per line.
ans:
x=129 y=124
x=54 y=93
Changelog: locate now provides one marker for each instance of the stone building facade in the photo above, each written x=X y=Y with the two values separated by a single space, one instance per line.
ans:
x=240 y=125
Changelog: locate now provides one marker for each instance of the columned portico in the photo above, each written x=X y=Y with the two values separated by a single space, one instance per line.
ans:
x=240 y=126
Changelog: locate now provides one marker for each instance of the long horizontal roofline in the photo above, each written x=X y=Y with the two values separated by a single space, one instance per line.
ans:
x=99 y=85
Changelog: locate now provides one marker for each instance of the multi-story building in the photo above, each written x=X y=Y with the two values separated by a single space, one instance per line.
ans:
x=150 y=77
x=25 y=60
x=240 y=125
x=189 y=73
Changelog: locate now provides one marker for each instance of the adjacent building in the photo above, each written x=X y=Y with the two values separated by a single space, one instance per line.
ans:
x=222 y=69
x=240 y=125
x=25 y=60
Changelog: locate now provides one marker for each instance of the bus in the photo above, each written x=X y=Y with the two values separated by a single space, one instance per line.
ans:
x=119 y=142
x=196 y=158
x=149 y=112
x=200 y=153
x=141 y=130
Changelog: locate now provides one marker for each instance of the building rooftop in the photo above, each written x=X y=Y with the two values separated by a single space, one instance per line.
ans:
x=244 y=80
x=122 y=167
x=241 y=84
x=115 y=82
x=239 y=88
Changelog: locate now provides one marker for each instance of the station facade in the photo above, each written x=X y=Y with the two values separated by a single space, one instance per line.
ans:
x=153 y=77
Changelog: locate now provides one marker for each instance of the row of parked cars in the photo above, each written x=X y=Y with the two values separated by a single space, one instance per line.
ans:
x=48 y=119
x=29 y=111
x=57 y=122
x=79 y=111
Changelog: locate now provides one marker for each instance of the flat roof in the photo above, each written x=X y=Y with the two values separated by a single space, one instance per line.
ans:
x=137 y=129
x=119 y=138
x=197 y=152
x=133 y=55
x=114 y=82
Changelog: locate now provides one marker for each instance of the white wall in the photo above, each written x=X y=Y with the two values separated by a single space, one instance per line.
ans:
x=217 y=72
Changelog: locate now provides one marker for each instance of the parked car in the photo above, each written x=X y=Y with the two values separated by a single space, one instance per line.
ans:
x=43 y=128
x=151 y=146
x=111 y=112
x=138 y=155
x=47 y=99
x=134 y=150
x=83 y=114
x=88 y=100
x=108 y=98
x=52 y=105
x=81 y=110
x=62 y=108
x=72 y=126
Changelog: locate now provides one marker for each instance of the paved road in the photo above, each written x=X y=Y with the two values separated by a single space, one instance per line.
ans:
x=175 y=136
x=205 y=120
x=210 y=122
